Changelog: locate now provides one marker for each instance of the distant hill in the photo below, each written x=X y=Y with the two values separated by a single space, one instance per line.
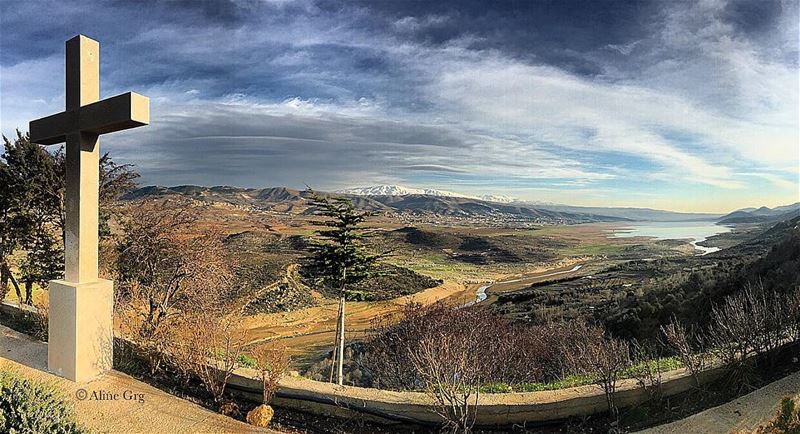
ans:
x=284 y=199
x=637 y=214
x=762 y=215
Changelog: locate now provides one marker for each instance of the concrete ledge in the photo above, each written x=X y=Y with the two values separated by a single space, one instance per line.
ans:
x=493 y=409
x=12 y=309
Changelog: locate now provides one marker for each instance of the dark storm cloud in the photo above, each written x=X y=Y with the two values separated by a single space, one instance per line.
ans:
x=753 y=17
x=554 y=32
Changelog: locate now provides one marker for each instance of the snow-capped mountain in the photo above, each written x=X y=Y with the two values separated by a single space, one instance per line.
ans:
x=398 y=190
x=498 y=198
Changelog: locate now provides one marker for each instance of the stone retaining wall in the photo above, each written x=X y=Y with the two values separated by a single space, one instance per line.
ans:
x=493 y=409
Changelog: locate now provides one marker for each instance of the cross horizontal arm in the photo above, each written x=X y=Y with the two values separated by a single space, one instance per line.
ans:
x=117 y=113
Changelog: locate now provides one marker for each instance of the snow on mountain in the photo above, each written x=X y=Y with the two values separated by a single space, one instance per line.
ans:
x=398 y=190
x=498 y=198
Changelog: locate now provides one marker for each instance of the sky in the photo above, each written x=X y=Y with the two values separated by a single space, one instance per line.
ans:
x=688 y=106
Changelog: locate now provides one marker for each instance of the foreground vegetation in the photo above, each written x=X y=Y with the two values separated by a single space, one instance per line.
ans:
x=31 y=407
x=455 y=354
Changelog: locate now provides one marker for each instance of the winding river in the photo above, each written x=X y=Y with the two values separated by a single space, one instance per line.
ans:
x=481 y=294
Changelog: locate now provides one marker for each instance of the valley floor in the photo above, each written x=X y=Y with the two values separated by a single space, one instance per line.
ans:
x=308 y=333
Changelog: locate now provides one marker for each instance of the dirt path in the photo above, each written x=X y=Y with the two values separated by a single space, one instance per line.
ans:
x=146 y=409
x=744 y=414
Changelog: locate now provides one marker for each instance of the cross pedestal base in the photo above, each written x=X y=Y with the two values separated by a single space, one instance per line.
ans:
x=81 y=329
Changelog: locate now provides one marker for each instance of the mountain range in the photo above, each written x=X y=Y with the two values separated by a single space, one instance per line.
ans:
x=430 y=202
x=638 y=214
x=762 y=215
x=399 y=190
x=284 y=199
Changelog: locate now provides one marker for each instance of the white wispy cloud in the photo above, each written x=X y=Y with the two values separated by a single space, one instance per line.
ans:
x=305 y=94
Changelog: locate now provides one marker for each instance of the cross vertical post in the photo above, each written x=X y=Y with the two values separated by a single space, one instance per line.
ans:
x=80 y=328
x=83 y=165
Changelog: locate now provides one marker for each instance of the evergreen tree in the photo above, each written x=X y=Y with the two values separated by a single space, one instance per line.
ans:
x=32 y=215
x=338 y=258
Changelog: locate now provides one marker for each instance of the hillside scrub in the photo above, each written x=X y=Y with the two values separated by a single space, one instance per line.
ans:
x=164 y=273
x=504 y=352
x=512 y=356
x=770 y=262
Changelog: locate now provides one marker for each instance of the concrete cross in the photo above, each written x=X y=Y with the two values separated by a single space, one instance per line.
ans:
x=80 y=331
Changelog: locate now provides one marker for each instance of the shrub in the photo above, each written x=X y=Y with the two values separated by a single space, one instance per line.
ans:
x=496 y=388
x=681 y=341
x=247 y=361
x=602 y=358
x=450 y=369
x=214 y=346
x=30 y=407
x=271 y=361
x=505 y=352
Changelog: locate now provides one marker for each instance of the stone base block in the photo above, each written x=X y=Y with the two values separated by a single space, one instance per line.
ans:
x=81 y=329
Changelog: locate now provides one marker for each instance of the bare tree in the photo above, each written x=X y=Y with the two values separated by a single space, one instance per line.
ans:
x=681 y=341
x=603 y=358
x=215 y=344
x=272 y=361
x=450 y=370
x=752 y=321
x=515 y=354
x=648 y=360
x=792 y=303
x=163 y=267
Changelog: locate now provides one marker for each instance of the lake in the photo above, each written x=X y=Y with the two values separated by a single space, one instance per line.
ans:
x=697 y=231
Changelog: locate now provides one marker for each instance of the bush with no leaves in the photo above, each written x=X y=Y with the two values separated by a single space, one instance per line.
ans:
x=506 y=352
x=211 y=349
x=601 y=357
x=272 y=361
